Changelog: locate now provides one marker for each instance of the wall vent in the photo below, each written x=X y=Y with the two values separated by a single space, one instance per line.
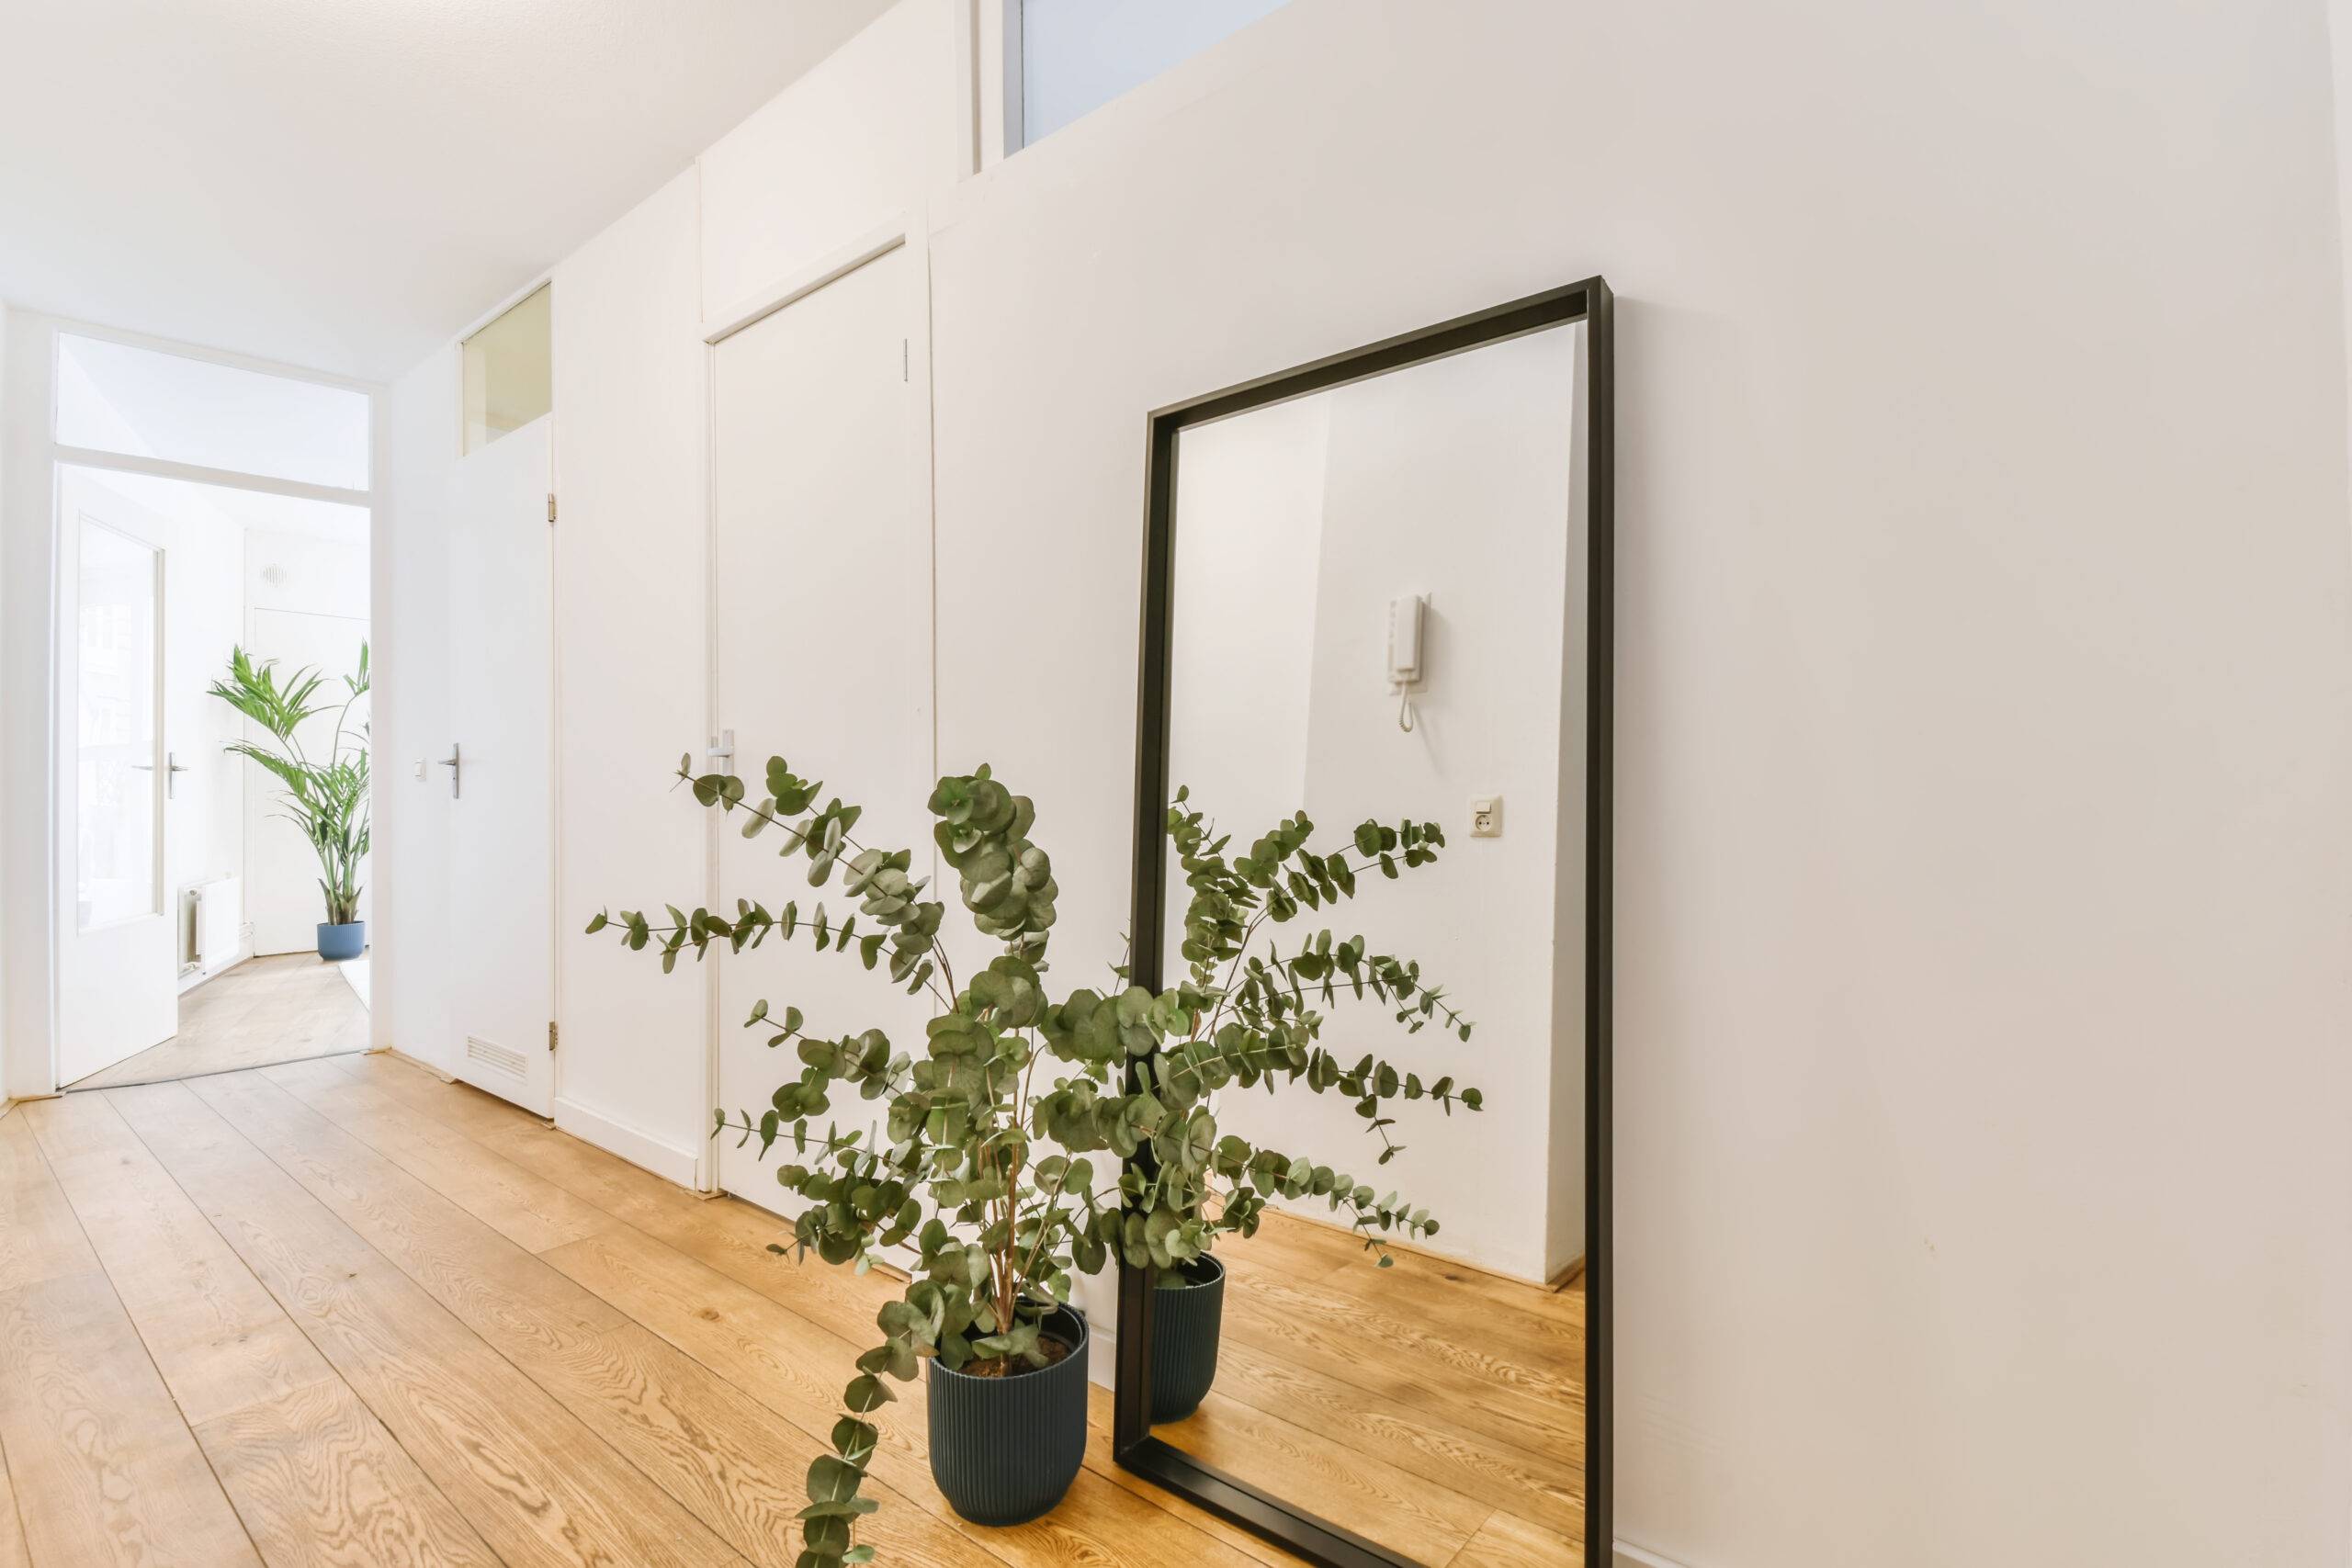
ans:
x=497 y=1056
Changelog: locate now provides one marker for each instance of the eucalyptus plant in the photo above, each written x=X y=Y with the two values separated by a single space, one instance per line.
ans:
x=986 y=1158
x=325 y=797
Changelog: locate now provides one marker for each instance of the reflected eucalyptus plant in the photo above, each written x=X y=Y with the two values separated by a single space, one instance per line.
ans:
x=1034 y=1136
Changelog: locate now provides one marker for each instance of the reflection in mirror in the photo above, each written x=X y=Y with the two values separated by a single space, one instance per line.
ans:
x=1377 y=617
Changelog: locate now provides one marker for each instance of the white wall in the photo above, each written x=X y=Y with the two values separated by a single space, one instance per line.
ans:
x=28 y=566
x=856 y=142
x=1981 y=851
x=1249 y=514
x=9 y=762
x=1297 y=525
x=410 y=568
x=1981 y=695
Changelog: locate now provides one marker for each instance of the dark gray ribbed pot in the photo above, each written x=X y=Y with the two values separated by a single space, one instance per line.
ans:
x=1185 y=1321
x=1005 y=1449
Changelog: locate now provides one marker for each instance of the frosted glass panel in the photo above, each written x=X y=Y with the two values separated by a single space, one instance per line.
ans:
x=117 y=860
x=1077 y=55
x=509 y=372
x=114 y=398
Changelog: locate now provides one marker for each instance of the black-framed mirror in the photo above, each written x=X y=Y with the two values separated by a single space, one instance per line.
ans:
x=1376 y=657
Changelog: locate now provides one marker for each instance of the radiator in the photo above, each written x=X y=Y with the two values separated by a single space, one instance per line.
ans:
x=212 y=914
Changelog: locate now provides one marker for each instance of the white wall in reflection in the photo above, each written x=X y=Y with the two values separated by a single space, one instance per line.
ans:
x=1297 y=525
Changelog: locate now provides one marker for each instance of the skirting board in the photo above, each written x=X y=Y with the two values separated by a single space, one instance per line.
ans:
x=1101 y=1355
x=641 y=1149
x=1635 y=1557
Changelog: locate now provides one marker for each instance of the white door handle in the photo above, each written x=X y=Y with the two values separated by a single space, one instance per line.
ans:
x=454 y=762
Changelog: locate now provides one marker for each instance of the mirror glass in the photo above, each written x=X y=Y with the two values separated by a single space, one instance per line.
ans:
x=1378 y=620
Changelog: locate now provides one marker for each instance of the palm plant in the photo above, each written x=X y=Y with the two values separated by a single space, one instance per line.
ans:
x=327 y=799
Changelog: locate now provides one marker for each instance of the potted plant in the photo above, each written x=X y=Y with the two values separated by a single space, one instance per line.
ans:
x=981 y=1160
x=1263 y=1030
x=326 y=798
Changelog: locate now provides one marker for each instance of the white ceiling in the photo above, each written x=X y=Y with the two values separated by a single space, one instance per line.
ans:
x=342 y=184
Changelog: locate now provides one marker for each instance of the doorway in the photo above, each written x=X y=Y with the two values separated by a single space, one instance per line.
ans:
x=211 y=743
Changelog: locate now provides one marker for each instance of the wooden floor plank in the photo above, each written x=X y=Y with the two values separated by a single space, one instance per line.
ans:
x=788 y=1363
x=796 y=1369
x=700 y=1277
x=730 y=1236
x=825 y=1315
x=1099 y=1460
x=219 y=1338
x=537 y=1485
x=461 y=1262
x=711 y=1448
x=40 y=1238
x=599 y=1381
x=1413 y=1517
x=14 y=1554
x=1413 y=1436
x=1540 y=1327
x=1507 y=1539
x=103 y=1467
x=534 y=1214
x=320 y=1484
x=734 y=1462
x=1396 y=1355
x=314 y=1477
x=106 y=1470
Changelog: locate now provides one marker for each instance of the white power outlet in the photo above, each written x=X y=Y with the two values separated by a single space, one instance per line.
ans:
x=1486 y=816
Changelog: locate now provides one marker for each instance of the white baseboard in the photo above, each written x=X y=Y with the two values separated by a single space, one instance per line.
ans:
x=1101 y=1355
x=1635 y=1557
x=640 y=1148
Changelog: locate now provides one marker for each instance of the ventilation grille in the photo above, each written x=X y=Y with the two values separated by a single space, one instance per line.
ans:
x=498 y=1056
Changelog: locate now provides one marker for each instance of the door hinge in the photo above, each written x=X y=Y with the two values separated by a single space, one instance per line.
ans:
x=550 y=1034
x=550 y=506
x=906 y=360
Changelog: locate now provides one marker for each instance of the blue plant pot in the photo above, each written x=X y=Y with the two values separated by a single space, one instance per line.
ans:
x=1005 y=1449
x=339 y=943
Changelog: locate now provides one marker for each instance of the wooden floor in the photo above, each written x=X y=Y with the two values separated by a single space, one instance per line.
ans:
x=279 y=1009
x=1429 y=1406
x=339 y=1311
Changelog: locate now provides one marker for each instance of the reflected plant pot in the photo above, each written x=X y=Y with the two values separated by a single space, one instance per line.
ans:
x=1185 y=1323
x=339 y=943
x=1005 y=1449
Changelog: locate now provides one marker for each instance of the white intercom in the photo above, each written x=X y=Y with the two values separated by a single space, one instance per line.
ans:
x=1404 y=654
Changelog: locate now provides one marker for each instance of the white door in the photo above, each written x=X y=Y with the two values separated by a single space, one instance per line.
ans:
x=501 y=918
x=117 y=961
x=821 y=573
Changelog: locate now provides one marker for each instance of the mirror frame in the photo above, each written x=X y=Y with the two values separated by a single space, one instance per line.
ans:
x=1285 y=1523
